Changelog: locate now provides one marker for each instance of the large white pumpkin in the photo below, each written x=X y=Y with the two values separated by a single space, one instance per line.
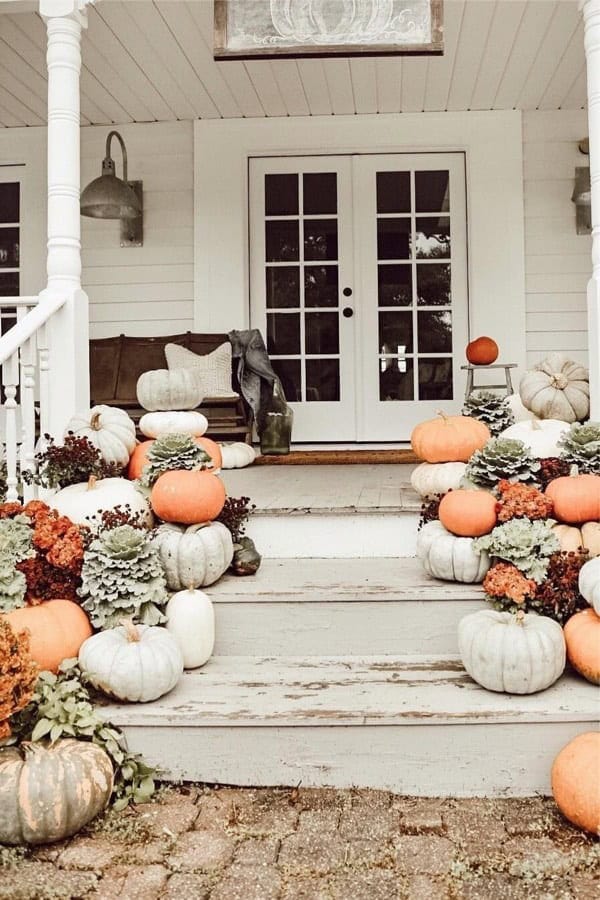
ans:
x=168 y=389
x=540 y=436
x=138 y=663
x=448 y=557
x=557 y=388
x=589 y=583
x=191 y=621
x=84 y=503
x=109 y=429
x=237 y=455
x=518 y=654
x=155 y=424
x=431 y=479
x=196 y=556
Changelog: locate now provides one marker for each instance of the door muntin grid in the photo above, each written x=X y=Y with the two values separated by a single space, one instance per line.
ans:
x=414 y=285
x=10 y=211
x=302 y=283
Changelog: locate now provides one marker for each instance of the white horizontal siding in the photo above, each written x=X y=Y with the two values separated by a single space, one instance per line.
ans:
x=143 y=290
x=557 y=259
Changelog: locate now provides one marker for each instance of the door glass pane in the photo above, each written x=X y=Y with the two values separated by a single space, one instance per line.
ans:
x=321 y=286
x=283 y=333
x=433 y=237
x=393 y=192
x=433 y=285
x=396 y=379
x=394 y=285
x=435 y=379
x=9 y=248
x=322 y=333
x=320 y=193
x=281 y=195
x=9 y=284
x=282 y=241
x=432 y=192
x=393 y=238
x=395 y=330
x=283 y=287
x=435 y=331
x=9 y=202
x=322 y=380
x=288 y=371
x=320 y=239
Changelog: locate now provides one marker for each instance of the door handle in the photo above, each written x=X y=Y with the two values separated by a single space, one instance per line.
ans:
x=347 y=312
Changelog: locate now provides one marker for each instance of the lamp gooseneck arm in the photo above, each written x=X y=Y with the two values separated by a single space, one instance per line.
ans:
x=109 y=138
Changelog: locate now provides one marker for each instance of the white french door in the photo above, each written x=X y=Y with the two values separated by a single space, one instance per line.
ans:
x=358 y=271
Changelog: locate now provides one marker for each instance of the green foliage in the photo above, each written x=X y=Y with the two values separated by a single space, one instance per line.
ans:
x=62 y=707
x=580 y=447
x=501 y=458
x=72 y=462
x=491 y=409
x=3 y=477
x=173 y=451
x=122 y=577
x=527 y=545
x=15 y=545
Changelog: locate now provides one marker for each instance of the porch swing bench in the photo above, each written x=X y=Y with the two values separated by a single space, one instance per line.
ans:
x=116 y=363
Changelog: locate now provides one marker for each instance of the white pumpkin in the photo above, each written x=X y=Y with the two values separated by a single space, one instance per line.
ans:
x=448 y=557
x=196 y=556
x=84 y=503
x=540 y=436
x=431 y=479
x=137 y=663
x=155 y=424
x=109 y=429
x=168 y=389
x=518 y=654
x=191 y=621
x=557 y=388
x=237 y=456
x=520 y=413
x=589 y=583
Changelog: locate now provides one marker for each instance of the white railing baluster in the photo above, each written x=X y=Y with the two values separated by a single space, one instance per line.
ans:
x=10 y=383
x=28 y=360
x=44 y=379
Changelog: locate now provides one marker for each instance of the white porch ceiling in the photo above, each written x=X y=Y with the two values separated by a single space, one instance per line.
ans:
x=152 y=61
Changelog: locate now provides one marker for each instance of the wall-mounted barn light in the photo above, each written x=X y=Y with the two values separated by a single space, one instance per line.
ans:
x=582 y=193
x=109 y=197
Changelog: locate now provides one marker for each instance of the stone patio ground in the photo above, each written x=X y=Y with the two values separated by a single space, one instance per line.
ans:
x=203 y=843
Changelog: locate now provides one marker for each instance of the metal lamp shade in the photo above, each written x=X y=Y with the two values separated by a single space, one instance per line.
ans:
x=108 y=197
x=582 y=198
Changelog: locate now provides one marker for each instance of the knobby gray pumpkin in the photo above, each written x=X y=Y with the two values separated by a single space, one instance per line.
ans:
x=196 y=556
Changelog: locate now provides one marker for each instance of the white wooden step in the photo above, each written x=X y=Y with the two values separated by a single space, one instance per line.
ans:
x=415 y=725
x=340 y=607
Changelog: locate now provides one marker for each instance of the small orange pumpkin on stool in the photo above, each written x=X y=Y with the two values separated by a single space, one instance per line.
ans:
x=482 y=352
x=468 y=513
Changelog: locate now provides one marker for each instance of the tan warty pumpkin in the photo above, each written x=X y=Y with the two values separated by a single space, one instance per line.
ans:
x=449 y=438
x=572 y=538
x=49 y=792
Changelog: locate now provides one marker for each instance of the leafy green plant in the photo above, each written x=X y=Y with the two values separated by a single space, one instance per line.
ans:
x=580 y=447
x=173 y=451
x=16 y=536
x=527 y=545
x=491 y=409
x=72 y=462
x=61 y=706
x=501 y=458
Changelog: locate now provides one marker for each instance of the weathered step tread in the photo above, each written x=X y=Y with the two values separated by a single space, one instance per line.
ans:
x=349 y=691
x=382 y=579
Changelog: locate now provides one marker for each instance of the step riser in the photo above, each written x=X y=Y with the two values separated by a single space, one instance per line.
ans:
x=340 y=628
x=475 y=760
x=323 y=536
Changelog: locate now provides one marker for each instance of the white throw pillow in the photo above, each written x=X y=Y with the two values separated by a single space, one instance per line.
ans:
x=213 y=370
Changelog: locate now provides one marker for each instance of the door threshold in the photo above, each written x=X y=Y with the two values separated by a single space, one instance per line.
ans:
x=351 y=445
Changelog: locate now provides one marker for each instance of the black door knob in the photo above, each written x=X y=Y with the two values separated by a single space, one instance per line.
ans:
x=347 y=292
x=347 y=312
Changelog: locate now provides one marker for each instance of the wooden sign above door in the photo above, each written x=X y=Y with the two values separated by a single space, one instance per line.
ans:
x=274 y=29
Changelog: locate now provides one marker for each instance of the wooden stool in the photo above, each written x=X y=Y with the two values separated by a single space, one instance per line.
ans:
x=471 y=386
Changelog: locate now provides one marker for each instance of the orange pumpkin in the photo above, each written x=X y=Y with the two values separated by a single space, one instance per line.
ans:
x=482 y=352
x=57 y=630
x=468 y=513
x=213 y=449
x=449 y=438
x=138 y=459
x=188 y=497
x=582 y=636
x=576 y=781
x=576 y=498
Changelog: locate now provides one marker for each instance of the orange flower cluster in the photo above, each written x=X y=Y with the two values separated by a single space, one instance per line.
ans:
x=522 y=500
x=504 y=581
x=18 y=675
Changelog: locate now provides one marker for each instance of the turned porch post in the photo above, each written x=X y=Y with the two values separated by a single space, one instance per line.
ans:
x=591 y=19
x=69 y=328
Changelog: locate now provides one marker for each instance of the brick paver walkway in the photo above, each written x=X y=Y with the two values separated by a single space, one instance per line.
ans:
x=200 y=843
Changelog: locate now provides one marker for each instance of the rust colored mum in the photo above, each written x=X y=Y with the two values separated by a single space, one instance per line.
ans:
x=18 y=675
x=504 y=582
x=522 y=500
x=10 y=510
x=47 y=582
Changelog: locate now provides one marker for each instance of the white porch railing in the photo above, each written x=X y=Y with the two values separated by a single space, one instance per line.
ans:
x=24 y=358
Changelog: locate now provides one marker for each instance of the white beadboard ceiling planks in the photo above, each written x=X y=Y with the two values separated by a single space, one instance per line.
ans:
x=153 y=60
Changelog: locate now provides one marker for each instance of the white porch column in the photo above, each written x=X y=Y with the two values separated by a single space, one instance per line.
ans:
x=591 y=18
x=69 y=328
